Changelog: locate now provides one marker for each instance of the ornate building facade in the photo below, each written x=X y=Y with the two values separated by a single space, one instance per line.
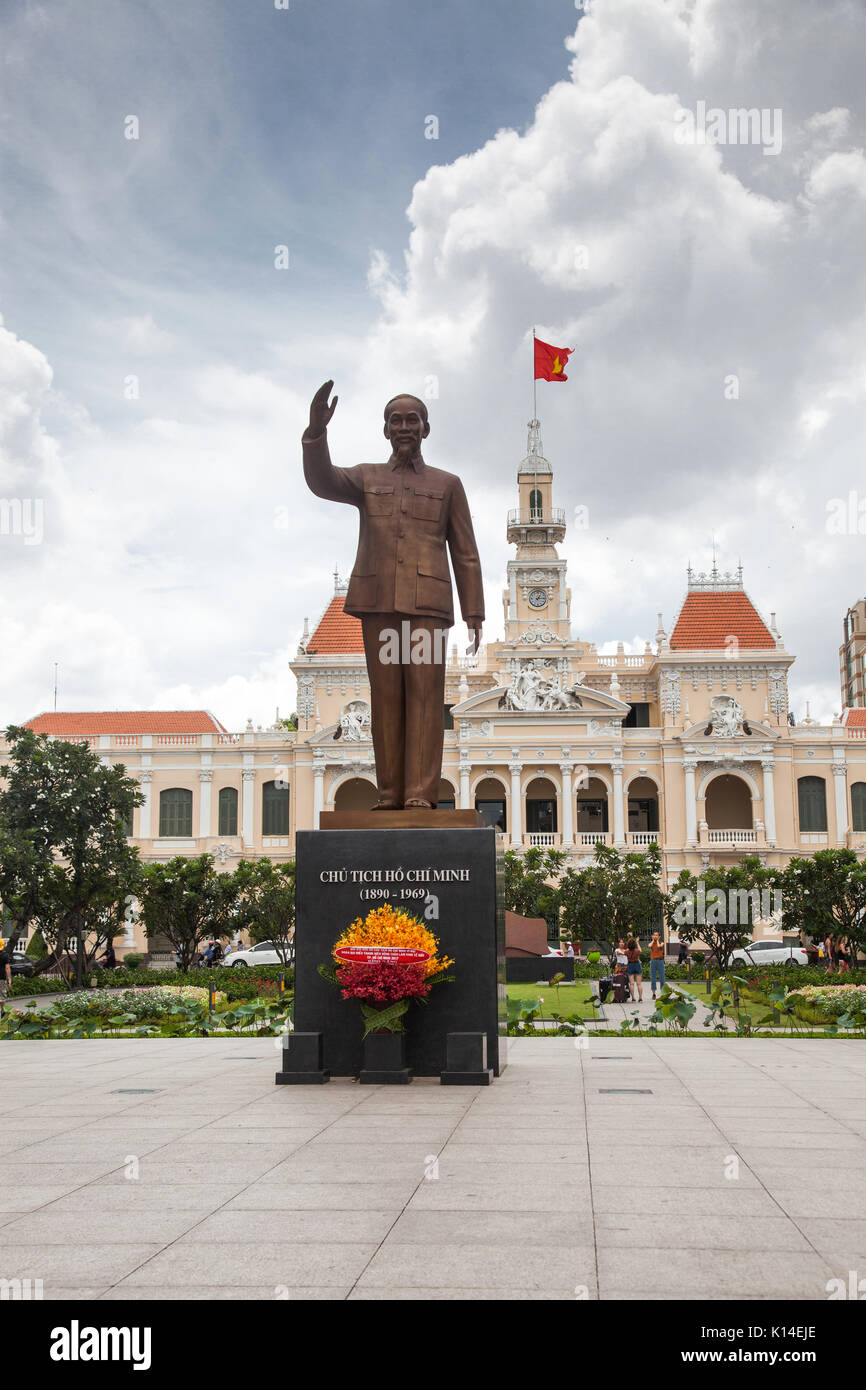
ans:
x=688 y=743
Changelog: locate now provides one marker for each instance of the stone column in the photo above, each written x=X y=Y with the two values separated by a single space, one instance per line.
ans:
x=205 y=778
x=318 y=789
x=618 y=818
x=767 y=766
x=247 y=810
x=567 y=804
x=145 y=778
x=516 y=816
x=465 y=769
x=841 y=786
x=689 y=767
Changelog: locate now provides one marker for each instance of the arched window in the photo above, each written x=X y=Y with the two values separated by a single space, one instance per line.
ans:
x=490 y=801
x=447 y=796
x=812 y=803
x=228 y=811
x=858 y=806
x=541 y=806
x=175 y=813
x=275 y=809
x=535 y=504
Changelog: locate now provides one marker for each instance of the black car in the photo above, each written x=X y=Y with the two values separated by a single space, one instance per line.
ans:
x=21 y=964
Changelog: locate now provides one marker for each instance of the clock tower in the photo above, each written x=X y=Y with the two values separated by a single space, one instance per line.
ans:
x=536 y=600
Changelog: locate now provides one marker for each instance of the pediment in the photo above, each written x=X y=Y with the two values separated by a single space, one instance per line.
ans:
x=593 y=704
x=696 y=733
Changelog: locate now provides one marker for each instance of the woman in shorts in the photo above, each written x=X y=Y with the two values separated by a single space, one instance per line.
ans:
x=635 y=977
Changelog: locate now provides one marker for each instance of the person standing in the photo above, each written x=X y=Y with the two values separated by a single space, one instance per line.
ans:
x=682 y=958
x=5 y=973
x=634 y=970
x=657 y=964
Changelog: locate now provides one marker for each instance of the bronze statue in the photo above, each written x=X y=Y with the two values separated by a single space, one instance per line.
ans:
x=401 y=589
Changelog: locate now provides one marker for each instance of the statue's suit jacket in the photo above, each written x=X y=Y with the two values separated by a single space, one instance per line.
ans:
x=408 y=515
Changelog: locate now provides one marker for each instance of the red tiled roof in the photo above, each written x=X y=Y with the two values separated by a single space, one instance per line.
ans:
x=337 y=632
x=709 y=620
x=854 y=718
x=137 y=721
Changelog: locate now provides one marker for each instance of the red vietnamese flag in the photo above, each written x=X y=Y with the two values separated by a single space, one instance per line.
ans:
x=550 y=361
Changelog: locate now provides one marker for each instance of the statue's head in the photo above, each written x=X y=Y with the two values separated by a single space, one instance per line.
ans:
x=406 y=424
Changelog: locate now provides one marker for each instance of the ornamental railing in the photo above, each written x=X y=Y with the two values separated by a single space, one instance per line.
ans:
x=537 y=516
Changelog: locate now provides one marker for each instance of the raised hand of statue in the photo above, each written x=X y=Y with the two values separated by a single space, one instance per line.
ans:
x=320 y=410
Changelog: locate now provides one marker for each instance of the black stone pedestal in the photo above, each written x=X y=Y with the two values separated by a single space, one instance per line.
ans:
x=466 y=1060
x=452 y=881
x=302 y=1061
x=385 y=1060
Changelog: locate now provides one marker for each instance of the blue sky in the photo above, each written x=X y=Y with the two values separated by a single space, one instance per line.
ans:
x=156 y=368
x=257 y=127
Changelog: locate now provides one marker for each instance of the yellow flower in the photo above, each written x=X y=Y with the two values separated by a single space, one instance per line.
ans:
x=391 y=926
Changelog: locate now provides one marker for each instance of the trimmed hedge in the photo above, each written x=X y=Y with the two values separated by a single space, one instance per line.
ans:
x=236 y=984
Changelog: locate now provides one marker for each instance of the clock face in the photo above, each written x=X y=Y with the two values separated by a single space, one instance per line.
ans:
x=538 y=597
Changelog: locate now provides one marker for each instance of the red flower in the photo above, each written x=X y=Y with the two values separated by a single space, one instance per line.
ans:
x=383 y=983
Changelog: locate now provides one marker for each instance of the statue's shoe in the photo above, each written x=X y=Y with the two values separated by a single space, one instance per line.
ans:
x=419 y=805
x=387 y=806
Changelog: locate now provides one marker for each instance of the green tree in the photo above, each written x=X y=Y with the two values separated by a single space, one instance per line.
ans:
x=617 y=896
x=266 y=902
x=825 y=894
x=528 y=887
x=65 y=863
x=187 y=901
x=721 y=906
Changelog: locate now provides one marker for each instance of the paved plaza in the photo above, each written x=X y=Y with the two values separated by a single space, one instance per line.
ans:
x=626 y=1169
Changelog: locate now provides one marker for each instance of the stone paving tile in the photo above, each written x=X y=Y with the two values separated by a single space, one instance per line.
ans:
x=565 y=1227
x=669 y=1204
x=386 y=1195
x=541 y=1266
x=66 y=1264
x=829 y=1235
x=365 y=1294
x=712 y=1273
x=518 y=1195
x=21 y=1199
x=235 y=1293
x=300 y=1264
x=58 y=1225
x=806 y=1199
x=290 y=1227
x=147 y=1196
x=698 y=1229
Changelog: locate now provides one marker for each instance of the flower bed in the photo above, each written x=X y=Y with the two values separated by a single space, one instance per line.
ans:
x=264 y=980
x=828 y=1002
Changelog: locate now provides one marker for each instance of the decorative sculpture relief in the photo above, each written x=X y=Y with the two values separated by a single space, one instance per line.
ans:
x=306 y=696
x=727 y=717
x=530 y=690
x=778 y=693
x=671 y=699
x=355 y=721
x=540 y=636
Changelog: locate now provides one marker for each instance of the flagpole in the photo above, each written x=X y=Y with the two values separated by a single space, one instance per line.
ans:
x=534 y=420
x=534 y=380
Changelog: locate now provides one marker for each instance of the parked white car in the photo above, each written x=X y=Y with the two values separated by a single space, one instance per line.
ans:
x=770 y=953
x=265 y=953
